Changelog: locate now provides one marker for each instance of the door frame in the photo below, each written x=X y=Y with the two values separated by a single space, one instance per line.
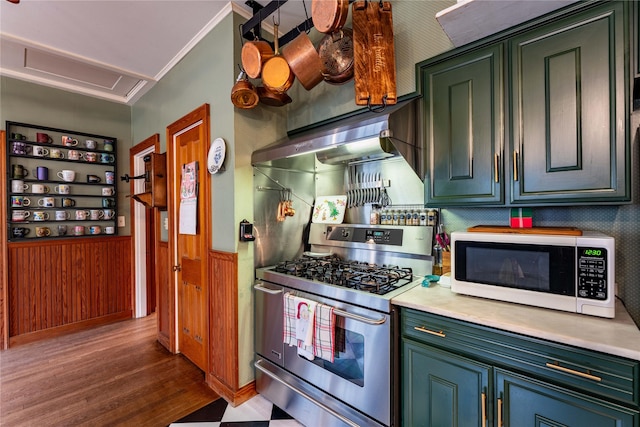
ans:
x=194 y=118
x=4 y=260
x=139 y=223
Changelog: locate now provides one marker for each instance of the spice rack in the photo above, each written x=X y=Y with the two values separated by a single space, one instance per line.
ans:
x=60 y=183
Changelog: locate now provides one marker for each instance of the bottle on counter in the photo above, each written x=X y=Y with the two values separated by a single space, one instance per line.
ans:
x=423 y=217
x=374 y=216
x=402 y=217
x=437 y=259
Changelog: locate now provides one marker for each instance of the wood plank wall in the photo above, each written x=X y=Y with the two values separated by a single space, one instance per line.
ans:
x=58 y=283
x=222 y=375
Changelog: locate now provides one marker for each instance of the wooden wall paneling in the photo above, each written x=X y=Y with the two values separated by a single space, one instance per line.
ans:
x=222 y=375
x=4 y=270
x=56 y=283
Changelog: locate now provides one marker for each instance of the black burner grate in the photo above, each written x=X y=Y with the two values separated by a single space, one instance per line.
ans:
x=373 y=278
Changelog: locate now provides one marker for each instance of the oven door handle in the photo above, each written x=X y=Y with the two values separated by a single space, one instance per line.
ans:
x=305 y=395
x=261 y=288
x=359 y=318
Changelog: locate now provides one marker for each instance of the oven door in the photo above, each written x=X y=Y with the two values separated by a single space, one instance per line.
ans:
x=361 y=372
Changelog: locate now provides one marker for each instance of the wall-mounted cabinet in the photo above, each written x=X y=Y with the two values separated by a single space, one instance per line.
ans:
x=563 y=100
x=60 y=183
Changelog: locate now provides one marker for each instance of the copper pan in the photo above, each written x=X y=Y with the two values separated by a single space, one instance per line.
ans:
x=276 y=73
x=254 y=55
x=304 y=61
x=329 y=15
x=271 y=98
x=336 y=53
x=243 y=93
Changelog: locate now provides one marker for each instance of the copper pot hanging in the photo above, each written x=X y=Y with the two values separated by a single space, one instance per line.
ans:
x=243 y=93
x=254 y=55
x=276 y=73
x=271 y=98
x=329 y=15
x=336 y=53
x=304 y=61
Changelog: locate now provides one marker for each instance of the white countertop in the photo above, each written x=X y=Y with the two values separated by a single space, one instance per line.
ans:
x=619 y=336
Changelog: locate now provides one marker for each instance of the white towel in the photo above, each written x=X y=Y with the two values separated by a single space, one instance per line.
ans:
x=305 y=316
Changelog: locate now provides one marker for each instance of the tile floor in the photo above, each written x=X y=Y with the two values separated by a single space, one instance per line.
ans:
x=256 y=412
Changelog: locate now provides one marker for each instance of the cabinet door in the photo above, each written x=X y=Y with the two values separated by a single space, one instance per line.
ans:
x=464 y=122
x=569 y=138
x=442 y=389
x=524 y=402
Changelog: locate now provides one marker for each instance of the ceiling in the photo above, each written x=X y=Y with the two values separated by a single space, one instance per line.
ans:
x=112 y=49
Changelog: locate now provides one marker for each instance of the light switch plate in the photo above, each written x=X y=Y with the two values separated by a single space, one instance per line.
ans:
x=120 y=220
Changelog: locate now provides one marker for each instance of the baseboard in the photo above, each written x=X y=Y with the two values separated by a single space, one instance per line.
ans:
x=236 y=397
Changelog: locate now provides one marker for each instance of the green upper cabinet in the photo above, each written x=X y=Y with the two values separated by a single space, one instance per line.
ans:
x=569 y=119
x=463 y=124
x=537 y=115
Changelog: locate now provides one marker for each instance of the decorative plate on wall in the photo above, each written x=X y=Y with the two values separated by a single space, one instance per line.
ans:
x=217 y=153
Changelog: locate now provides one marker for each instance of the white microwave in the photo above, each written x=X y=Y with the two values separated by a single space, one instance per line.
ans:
x=569 y=273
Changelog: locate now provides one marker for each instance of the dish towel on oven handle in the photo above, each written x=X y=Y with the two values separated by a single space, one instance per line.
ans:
x=289 y=327
x=324 y=336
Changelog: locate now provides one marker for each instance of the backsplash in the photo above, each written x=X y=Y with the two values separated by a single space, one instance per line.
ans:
x=621 y=222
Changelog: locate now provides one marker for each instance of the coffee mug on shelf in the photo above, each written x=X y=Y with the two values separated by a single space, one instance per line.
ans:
x=19 y=148
x=106 y=158
x=39 y=188
x=41 y=173
x=91 y=157
x=108 y=213
x=62 y=215
x=18 y=136
x=67 y=202
x=108 y=203
x=67 y=175
x=109 y=230
x=95 y=229
x=82 y=214
x=56 y=153
x=40 y=151
x=90 y=144
x=18 y=186
x=108 y=191
x=40 y=216
x=78 y=230
x=108 y=145
x=69 y=141
x=43 y=137
x=62 y=189
x=93 y=179
x=19 y=201
x=20 y=215
x=43 y=231
x=75 y=155
x=20 y=231
x=47 y=202
x=96 y=214
x=19 y=172
x=62 y=230
x=110 y=177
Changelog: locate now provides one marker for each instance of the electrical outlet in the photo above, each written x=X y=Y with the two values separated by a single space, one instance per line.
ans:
x=121 y=221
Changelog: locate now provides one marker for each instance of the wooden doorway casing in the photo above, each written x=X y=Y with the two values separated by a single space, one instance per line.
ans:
x=143 y=227
x=188 y=140
x=4 y=273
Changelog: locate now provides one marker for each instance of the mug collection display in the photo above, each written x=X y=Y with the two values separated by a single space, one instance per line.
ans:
x=72 y=149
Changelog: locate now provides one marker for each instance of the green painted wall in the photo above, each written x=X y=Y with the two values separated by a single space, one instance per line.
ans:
x=44 y=106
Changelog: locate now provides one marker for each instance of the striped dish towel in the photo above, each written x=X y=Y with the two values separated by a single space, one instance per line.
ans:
x=289 y=326
x=324 y=336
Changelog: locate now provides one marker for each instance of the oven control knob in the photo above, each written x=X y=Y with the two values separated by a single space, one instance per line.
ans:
x=345 y=233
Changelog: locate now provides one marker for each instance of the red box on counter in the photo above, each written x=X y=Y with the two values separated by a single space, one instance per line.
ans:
x=521 y=218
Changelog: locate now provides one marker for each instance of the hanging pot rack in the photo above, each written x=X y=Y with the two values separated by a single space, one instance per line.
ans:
x=251 y=29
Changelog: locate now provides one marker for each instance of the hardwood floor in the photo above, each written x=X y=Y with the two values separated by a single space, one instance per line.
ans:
x=112 y=375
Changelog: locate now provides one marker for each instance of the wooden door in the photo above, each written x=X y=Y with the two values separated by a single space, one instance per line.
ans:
x=187 y=142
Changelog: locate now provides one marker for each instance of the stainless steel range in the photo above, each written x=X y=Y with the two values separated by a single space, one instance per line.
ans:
x=357 y=269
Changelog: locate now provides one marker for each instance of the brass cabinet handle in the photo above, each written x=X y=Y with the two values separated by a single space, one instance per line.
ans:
x=484 y=409
x=500 y=412
x=515 y=165
x=496 y=167
x=556 y=366
x=429 y=331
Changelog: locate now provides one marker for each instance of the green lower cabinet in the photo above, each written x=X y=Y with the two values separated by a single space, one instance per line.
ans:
x=443 y=389
x=524 y=402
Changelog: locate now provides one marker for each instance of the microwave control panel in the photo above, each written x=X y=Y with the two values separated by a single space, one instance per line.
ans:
x=592 y=273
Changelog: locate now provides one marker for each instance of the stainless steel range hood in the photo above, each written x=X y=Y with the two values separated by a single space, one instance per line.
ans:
x=363 y=137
